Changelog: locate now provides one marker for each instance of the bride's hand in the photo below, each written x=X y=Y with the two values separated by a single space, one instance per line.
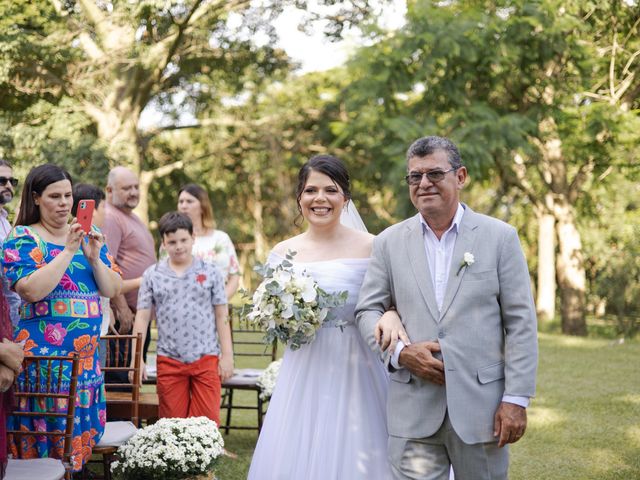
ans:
x=389 y=330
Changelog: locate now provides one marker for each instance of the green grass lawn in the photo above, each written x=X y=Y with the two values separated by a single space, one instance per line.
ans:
x=584 y=423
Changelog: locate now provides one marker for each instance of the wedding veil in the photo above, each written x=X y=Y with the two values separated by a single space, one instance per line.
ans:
x=351 y=218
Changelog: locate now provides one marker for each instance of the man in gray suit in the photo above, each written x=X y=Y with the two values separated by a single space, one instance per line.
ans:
x=459 y=281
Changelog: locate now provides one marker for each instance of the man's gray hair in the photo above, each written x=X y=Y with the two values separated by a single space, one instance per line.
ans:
x=427 y=145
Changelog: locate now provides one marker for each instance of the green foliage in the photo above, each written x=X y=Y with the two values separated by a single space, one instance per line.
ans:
x=613 y=243
x=541 y=94
x=33 y=54
x=57 y=134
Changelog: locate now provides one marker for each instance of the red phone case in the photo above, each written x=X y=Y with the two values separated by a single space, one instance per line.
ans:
x=85 y=214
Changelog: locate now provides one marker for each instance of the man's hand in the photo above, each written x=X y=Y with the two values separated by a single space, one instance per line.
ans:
x=6 y=378
x=11 y=355
x=418 y=359
x=225 y=367
x=125 y=317
x=389 y=330
x=143 y=372
x=509 y=423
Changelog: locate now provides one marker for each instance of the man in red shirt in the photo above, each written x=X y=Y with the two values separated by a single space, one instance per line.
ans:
x=128 y=240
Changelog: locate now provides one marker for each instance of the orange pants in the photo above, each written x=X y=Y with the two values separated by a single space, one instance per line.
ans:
x=189 y=389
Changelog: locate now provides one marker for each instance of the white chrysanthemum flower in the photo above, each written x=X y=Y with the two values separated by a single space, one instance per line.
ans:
x=267 y=381
x=170 y=446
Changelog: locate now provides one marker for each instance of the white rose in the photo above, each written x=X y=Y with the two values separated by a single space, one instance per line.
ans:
x=282 y=277
x=469 y=258
x=257 y=296
x=309 y=293
x=287 y=300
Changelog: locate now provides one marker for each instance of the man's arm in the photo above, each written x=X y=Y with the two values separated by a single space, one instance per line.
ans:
x=112 y=231
x=122 y=313
x=521 y=341
x=374 y=298
x=518 y=319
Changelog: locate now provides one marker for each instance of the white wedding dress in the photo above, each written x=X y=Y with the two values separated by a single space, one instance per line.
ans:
x=327 y=416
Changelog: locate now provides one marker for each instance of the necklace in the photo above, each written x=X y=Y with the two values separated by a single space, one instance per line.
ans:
x=52 y=235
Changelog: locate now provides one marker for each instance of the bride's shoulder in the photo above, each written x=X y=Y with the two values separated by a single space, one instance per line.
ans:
x=359 y=236
x=286 y=245
x=360 y=243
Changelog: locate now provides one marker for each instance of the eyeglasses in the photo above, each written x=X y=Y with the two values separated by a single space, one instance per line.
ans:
x=11 y=180
x=434 y=176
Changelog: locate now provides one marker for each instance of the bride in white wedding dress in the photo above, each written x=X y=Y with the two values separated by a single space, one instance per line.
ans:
x=327 y=416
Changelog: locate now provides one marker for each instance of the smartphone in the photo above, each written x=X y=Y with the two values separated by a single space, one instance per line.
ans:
x=85 y=214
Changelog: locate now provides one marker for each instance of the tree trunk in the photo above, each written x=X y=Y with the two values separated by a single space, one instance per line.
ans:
x=571 y=272
x=559 y=201
x=546 y=291
x=142 y=210
x=258 y=232
x=118 y=129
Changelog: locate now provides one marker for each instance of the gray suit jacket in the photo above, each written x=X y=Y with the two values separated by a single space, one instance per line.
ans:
x=487 y=326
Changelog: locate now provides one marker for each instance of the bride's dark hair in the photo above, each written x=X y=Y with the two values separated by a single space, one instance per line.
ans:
x=329 y=165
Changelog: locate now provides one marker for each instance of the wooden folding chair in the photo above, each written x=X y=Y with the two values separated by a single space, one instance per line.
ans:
x=123 y=396
x=248 y=345
x=40 y=396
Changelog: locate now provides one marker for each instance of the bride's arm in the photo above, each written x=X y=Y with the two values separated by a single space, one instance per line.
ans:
x=389 y=330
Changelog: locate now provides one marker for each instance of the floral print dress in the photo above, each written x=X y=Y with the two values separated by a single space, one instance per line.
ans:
x=67 y=320
x=217 y=248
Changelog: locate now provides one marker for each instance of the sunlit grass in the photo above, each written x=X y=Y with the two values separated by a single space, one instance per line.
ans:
x=584 y=422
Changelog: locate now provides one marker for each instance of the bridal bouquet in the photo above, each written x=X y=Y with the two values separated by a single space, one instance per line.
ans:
x=290 y=306
x=267 y=381
x=170 y=449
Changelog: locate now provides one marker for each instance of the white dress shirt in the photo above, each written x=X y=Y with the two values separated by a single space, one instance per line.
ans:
x=5 y=226
x=439 y=253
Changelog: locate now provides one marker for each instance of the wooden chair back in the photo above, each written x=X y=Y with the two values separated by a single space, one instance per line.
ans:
x=120 y=349
x=251 y=357
x=41 y=395
x=248 y=347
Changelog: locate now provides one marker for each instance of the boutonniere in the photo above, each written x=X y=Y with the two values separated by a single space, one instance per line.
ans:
x=467 y=261
x=201 y=278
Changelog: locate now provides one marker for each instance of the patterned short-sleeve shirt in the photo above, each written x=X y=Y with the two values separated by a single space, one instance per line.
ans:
x=184 y=308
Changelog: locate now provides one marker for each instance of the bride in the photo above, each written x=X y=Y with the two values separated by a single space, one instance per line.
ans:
x=327 y=416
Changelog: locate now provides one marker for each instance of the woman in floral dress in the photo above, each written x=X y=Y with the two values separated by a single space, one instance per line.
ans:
x=60 y=273
x=211 y=245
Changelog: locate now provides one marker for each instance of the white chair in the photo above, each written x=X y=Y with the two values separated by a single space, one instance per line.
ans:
x=126 y=395
x=41 y=397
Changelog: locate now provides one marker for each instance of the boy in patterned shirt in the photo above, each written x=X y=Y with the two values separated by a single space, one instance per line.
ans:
x=195 y=353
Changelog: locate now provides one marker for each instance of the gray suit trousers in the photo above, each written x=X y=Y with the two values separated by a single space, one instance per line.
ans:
x=430 y=458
